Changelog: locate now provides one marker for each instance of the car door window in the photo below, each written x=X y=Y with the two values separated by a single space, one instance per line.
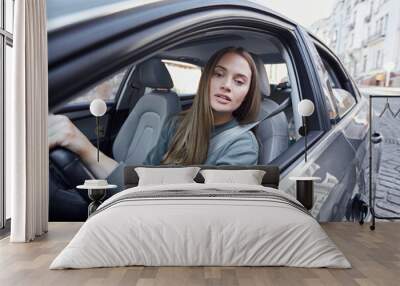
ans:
x=106 y=90
x=325 y=82
x=343 y=98
x=339 y=98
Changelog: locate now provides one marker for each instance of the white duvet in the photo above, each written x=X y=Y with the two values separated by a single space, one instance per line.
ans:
x=206 y=230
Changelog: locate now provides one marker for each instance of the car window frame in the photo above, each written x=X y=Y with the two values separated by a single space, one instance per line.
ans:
x=350 y=86
x=322 y=76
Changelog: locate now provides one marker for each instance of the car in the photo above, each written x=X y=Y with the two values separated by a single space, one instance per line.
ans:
x=99 y=48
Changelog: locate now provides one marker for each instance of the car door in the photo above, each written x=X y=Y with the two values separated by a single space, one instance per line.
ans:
x=339 y=157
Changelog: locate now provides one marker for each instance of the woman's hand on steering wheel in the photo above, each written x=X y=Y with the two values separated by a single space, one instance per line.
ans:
x=63 y=133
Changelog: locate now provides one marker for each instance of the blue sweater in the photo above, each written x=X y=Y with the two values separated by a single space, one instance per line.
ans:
x=242 y=151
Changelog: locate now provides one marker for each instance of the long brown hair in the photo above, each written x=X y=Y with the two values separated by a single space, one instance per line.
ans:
x=190 y=143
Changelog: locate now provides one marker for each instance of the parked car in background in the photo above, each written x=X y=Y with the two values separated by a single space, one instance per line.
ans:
x=97 y=49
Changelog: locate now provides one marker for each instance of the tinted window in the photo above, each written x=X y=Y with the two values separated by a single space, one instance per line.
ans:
x=185 y=76
x=106 y=90
x=342 y=96
x=277 y=73
x=337 y=88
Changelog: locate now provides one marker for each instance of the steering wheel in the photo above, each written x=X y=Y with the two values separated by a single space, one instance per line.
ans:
x=66 y=171
x=69 y=168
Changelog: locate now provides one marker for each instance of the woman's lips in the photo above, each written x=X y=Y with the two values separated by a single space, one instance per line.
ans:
x=223 y=98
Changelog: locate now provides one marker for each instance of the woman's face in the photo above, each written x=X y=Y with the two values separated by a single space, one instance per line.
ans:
x=229 y=83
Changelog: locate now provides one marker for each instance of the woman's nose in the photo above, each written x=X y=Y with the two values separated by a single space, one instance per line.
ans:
x=226 y=85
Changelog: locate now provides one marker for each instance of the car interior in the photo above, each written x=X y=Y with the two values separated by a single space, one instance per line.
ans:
x=151 y=82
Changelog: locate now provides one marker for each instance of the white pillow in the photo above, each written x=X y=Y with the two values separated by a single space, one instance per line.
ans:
x=248 y=177
x=163 y=176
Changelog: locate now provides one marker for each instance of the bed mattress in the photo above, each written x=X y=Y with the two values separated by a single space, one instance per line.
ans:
x=201 y=225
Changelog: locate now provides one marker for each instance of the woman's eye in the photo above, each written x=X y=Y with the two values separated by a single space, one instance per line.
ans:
x=239 y=82
x=218 y=74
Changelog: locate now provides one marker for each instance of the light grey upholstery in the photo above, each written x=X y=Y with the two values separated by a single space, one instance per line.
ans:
x=272 y=133
x=142 y=128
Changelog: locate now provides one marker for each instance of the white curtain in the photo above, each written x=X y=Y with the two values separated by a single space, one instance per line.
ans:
x=26 y=124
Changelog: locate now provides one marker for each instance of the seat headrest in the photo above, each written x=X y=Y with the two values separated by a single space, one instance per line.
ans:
x=154 y=74
x=265 y=89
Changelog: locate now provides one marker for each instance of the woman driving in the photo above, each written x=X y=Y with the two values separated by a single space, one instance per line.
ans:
x=228 y=95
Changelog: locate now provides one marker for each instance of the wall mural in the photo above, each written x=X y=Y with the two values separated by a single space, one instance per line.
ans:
x=174 y=112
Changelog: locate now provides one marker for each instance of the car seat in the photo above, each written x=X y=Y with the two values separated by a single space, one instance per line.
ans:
x=272 y=133
x=142 y=128
x=280 y=93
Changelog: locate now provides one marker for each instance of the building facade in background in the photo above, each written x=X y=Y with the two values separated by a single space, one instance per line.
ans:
x=365 y=34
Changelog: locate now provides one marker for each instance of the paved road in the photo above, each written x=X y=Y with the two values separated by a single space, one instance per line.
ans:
x=388 y=178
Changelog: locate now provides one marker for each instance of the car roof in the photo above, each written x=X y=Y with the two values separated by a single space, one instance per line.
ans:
x=61 y=14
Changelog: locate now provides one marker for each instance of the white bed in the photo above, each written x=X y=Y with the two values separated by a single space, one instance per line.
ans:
x=201 y=224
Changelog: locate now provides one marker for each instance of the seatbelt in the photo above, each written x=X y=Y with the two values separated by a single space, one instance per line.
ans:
x=220 y=140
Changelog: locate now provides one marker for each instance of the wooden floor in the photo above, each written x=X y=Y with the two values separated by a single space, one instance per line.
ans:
x=374 y=255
